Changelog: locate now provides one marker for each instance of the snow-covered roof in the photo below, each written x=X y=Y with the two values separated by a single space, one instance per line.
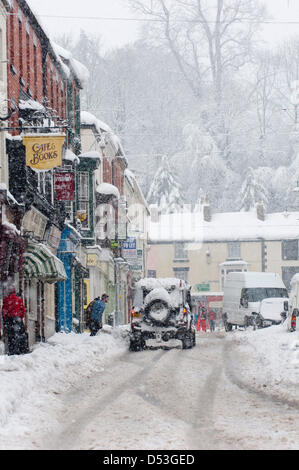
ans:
x=69 y=155
x=69 y=63
x=91 y=154
x=88 y=119
x=224 y=227
x=108 y=190
x=31 y=105
x=3 y=187
x=132 y=178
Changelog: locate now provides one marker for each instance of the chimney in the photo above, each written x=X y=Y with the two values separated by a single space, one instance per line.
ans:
x=207 y=215
x=260 y=211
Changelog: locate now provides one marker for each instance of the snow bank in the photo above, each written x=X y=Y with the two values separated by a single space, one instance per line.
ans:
x=30 y=381
x=269 y=360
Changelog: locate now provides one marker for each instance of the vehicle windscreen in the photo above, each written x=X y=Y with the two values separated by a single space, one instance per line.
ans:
x=260 y=293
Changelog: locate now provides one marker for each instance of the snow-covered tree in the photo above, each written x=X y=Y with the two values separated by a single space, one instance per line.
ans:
x=165 y=190
x=252 y=192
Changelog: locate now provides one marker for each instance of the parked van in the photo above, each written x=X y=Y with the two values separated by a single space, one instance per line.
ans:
x=293 y=312
x=252 y=298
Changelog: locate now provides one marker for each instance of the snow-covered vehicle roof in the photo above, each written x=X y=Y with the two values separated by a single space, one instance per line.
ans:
x=169 y=289
x=166 y=283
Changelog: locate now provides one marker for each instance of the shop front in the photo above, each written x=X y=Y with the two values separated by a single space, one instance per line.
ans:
x=11 y=246
x=70 y=293
x=42 y=270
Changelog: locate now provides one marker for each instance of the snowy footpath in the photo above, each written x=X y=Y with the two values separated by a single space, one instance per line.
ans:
x=31 y=385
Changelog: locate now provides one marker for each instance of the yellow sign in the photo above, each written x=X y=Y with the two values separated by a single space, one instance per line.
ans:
x=92 y=260
x=44 y=152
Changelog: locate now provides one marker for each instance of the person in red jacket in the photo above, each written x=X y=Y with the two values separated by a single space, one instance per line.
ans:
x=13 y=313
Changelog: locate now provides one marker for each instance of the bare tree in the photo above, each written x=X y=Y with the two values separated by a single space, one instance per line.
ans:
x=210 y=39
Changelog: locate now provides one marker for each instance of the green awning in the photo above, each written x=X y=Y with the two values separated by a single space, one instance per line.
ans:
x=42 y=264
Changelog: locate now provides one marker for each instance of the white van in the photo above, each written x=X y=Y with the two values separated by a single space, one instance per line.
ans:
x=293 y=313
x=250 y=298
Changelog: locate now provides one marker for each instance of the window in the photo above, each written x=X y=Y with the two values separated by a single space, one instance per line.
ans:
x=290 y=250
x=180 y=251
x=35 y=70
x=181 y=273
x=68 y=207
x=152 y=274
x=260 y=293
x=21 y=58
x=83 y=198
x=20 y=15
x=234 y=251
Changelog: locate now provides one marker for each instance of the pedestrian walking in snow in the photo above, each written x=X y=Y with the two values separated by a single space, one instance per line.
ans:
x=13 y=314
x=97 y=314
x=212 y=320
x=88 y=311
x=203 y=319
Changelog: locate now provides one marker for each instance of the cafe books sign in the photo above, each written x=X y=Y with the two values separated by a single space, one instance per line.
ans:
x=44 y=152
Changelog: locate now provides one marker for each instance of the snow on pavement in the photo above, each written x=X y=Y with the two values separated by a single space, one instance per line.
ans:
x=30 y=384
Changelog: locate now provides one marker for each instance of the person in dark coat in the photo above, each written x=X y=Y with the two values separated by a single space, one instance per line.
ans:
x=212 y=320
x=13 y=313
x=97 y=314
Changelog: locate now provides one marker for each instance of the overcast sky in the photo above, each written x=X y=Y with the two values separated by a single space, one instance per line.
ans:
x=116 y=33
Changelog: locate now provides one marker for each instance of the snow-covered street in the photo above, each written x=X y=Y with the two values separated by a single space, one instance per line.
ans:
x=233 y=391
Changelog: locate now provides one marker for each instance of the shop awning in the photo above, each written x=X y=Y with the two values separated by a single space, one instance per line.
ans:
x=40 y=263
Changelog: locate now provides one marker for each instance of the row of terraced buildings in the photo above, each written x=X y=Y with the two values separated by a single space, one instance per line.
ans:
x=72 y=215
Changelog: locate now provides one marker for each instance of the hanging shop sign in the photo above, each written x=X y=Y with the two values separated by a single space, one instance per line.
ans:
x=92 y=260
x=129 y=248
x=64 y=186
x=44 y=152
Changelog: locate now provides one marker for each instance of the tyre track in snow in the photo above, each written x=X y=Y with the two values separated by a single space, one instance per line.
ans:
x=197 y=412
x=77 y=420
x=230 y=361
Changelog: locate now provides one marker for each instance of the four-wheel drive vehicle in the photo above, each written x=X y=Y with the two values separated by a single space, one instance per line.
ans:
x=161 y=316
x=257 y=299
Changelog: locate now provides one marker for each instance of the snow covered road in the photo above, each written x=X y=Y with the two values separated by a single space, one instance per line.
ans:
x=215 y=396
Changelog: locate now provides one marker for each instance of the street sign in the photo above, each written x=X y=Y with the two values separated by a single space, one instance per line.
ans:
x=136 y=267
x=203 y=287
